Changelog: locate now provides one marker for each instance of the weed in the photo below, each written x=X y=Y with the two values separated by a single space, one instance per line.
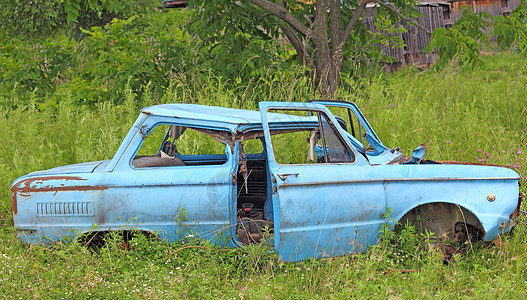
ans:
x=454 y=113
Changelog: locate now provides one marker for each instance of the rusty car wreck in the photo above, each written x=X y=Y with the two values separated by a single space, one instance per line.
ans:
x=310 y=182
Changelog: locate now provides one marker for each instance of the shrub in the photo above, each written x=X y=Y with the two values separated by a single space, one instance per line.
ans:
x=463 y=41
x=511 y=31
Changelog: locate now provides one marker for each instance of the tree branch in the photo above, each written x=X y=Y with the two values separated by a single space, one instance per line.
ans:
x=410 y=20
x=308 y=19
x=295 y=40
x=297 y=43
x=356 y=16
x=282 y=13
x=362 y=7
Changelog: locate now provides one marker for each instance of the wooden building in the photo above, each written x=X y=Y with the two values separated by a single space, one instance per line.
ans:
x=435 y=14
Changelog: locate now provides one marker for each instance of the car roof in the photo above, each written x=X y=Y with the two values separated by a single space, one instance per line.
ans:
x=233 y=116
x=205 y=112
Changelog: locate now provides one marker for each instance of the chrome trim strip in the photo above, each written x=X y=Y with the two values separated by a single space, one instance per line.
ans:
x=395 y=179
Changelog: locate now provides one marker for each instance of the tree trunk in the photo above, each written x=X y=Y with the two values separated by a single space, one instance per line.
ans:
x=328 y=54
x=325 y=75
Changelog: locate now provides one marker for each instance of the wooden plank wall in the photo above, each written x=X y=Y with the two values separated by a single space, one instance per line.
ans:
x=396 y=52
x=415 y=38
x=493 y=7
x=434 y=13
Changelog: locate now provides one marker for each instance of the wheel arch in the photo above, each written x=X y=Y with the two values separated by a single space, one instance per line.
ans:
x=441 y=217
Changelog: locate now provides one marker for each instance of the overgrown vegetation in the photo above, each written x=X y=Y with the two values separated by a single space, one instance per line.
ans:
x=23 y=20
x=463 y=41
x=135 y=52
x=476 y=31
x=321 y=34
x=152 y=52
x=511 y=31
x=65 y=100
x=460 y=115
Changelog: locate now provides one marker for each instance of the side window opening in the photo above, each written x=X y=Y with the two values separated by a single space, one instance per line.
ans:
x=351 y=124
x=312 y=138
x=335 y=150
x=253 y=146
x=170 y=145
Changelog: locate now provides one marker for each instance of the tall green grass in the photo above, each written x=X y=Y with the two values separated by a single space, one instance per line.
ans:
x=478 y=116
x=454 y=112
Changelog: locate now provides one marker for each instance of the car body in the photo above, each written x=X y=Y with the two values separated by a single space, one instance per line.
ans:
x=291 y=174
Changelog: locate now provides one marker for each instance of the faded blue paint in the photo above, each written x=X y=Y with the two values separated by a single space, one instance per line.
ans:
x=324 y=210
x=408 y=186
x=309 y=218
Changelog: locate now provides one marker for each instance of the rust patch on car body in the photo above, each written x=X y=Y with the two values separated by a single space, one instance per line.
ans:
x=24 y=191
x=13 y=203
x=29 y=181
x=517 y=211
x=24 y=187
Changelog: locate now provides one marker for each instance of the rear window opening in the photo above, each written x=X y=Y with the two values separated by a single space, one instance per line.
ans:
x=171 y=145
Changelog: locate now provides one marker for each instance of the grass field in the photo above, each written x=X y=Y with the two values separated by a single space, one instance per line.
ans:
x=475 y=116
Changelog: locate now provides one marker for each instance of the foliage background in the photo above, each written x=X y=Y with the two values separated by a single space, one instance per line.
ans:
x=67 y=99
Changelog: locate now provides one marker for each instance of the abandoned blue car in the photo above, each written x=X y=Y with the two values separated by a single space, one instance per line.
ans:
x=310 y=179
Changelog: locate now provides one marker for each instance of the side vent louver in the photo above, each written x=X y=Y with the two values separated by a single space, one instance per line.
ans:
x=65 y=209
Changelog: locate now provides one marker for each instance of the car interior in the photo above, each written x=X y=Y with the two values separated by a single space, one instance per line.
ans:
x=308 y=143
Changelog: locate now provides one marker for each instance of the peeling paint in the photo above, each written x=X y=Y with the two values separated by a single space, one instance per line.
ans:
x=25 y=191
x=28 y=186
x=13 y=202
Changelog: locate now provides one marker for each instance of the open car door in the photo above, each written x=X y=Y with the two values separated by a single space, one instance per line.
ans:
x=324 y=205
